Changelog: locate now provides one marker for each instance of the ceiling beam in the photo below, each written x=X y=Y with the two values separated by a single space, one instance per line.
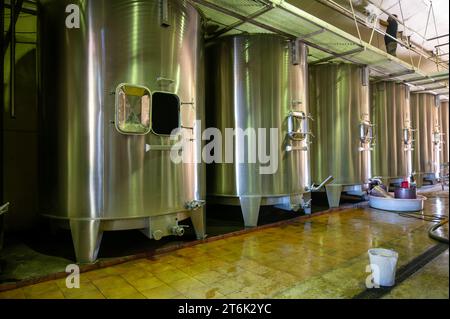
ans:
x=241 y=22
x=438 y=37
x=339 y=55
x=440 y=45
x=241 y=17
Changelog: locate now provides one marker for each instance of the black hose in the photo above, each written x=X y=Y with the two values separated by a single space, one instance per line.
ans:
x=434 y=218
x=432 y=234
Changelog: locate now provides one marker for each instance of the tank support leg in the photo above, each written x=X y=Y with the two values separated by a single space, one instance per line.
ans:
x=333 y=194
x=86 y=237
x=198 y=219
x=250 y=210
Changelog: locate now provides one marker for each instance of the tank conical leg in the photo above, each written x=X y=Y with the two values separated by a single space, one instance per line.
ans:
x=86 y=237
x=250 y=210
x=334 y=194
x=198 y=219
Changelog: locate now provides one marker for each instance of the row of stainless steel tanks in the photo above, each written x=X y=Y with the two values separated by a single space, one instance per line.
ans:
x=115 y=91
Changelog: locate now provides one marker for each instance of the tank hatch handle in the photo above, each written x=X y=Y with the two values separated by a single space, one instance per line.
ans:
x=163 y=148
x=291 y=148
x=408 y=138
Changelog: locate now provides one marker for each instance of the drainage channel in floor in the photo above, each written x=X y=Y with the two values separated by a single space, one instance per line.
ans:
x=405 y=272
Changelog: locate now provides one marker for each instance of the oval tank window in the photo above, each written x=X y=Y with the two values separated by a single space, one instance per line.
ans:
x=133 y=105
x=165 y=113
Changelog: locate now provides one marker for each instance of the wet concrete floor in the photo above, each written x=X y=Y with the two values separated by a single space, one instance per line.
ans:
x=323 y=257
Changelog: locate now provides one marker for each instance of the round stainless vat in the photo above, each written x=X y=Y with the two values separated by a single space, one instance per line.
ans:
x=111 y=92
x=339 y=103
x=424 y=116
x=443 y=118
x=258 y=82
x=391 y=156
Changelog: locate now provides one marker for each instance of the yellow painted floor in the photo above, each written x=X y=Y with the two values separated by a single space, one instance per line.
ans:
x=324 y=257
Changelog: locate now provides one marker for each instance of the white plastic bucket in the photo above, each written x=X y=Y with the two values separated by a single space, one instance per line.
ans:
x=383 y=263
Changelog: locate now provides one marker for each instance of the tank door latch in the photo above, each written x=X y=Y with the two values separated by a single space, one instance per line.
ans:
x=195 y=204
x=437 y=139
x=366 y=135
x=408 y=138
x=298 y=125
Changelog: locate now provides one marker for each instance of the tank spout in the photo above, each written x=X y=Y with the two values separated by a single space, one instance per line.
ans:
x=178 y=231
x=327 y=181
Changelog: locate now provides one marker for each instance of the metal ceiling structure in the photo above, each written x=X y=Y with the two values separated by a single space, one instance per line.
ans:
x=423 y=24
x=426 y=22
x=326 y=42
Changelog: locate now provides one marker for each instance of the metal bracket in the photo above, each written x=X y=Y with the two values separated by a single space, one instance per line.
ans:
x=295 y=52
x=164 y=82
x=164 y=13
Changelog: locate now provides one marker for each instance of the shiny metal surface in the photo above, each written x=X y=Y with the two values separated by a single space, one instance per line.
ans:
x=390 y=107
x=91 y=171
x=424 y=116
x=256 y=81
x=444 y=124
x=339 y=103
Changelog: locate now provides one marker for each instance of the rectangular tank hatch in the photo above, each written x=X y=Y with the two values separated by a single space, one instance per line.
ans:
x=165 y=113
x=133 y=105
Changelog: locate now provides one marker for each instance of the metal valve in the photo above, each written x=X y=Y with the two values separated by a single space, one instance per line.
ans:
x=157 y=234
x=178 y=230
x=306 y=204
x=195 y=204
